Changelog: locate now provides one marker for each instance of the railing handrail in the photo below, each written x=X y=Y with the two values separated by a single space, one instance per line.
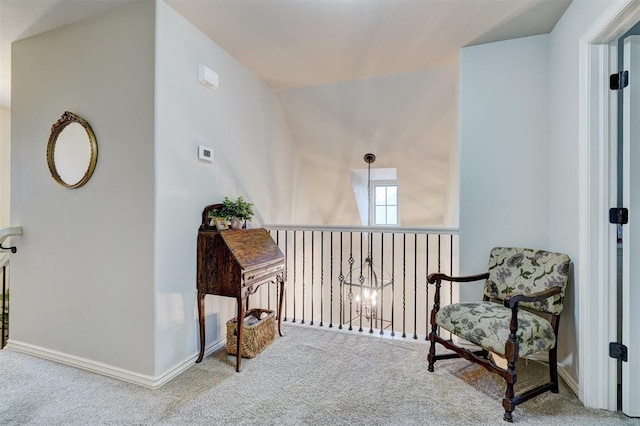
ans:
x=12 y=231
x=377 y=229
x=5 y=233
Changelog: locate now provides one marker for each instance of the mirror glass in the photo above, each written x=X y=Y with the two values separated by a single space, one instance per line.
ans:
x=72 y=151
x=72 y=154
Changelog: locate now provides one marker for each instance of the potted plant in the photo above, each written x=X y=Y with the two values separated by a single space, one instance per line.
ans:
x=237 y=212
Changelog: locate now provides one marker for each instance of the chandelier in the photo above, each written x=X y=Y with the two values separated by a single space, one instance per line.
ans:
x=365 y=289
x=366 y=303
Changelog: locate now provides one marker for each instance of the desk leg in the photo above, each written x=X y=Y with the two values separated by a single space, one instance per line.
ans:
x=201 y=321
x=281 y=280
x=239 y=335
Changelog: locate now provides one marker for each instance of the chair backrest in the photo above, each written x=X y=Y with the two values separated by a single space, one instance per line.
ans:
x=521 y=270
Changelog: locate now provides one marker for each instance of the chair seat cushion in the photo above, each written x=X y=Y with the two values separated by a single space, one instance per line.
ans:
x=486 y=324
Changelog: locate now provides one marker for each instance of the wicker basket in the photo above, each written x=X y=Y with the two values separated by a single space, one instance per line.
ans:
x=255 y=337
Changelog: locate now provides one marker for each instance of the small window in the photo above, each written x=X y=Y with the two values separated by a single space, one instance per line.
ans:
x=385 y=204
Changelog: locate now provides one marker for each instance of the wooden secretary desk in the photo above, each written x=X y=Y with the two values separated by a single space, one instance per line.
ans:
x=234 y=263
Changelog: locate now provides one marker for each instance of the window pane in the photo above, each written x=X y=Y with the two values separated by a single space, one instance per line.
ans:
x=380 y=195
x=392 y=215
x=380 y=215
x=392 y=195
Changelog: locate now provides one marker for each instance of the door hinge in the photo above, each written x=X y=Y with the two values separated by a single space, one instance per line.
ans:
x=619 y=215
x=618 y=351
x=619 y=80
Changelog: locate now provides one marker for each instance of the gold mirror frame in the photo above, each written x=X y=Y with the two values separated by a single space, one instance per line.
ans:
x=57 y=128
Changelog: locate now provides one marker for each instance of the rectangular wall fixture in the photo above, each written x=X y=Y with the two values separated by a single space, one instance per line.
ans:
x=207 y=77
x=205 y=154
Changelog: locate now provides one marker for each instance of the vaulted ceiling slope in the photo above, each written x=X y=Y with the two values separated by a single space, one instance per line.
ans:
x=297 y=43
x=293 y=44
x=25 y=18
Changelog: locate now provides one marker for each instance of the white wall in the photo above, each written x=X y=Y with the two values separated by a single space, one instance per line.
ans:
x=107 y=273
x=519 y=100
x=504 y=150
x=83 y=276
x=5 y=166
x=452 y=206
x=563 y=158
x=254 y=156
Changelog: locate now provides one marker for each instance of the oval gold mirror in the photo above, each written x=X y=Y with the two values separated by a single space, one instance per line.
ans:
x=72 y=151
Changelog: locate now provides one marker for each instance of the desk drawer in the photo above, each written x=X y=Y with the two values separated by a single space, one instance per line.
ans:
x=258 y=276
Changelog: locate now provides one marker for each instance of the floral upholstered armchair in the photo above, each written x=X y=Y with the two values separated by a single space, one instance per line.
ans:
x=523 y=288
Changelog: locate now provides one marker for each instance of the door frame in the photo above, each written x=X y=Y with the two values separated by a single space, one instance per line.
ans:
x=597 y=251
x=631 y=238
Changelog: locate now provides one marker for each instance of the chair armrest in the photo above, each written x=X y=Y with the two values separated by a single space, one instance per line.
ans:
x=513 y=300
x=432 y=278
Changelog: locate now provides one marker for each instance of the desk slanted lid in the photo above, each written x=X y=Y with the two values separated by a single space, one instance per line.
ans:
x=252 y=247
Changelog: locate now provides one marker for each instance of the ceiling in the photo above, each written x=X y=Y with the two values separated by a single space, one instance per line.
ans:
x=299 y=43
x=293 y=44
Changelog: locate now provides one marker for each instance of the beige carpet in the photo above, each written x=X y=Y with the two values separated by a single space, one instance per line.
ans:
x=310 y=376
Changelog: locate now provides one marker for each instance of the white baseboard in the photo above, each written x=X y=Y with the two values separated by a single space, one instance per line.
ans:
x=562 y=372
x=570 y=381
x=186 y=364
x=151 y=382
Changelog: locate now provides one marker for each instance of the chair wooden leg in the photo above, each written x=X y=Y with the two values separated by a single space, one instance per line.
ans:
x=511 y=377
x=431 y=357
x=509 y=395
x=553 y=369
x=508 y=404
